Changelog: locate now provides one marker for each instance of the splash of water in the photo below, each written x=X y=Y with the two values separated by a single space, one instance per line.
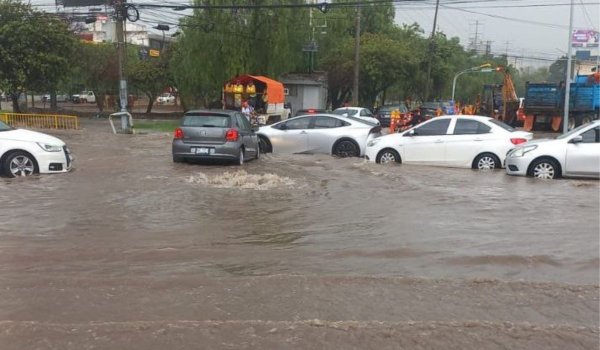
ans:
x=241 y=179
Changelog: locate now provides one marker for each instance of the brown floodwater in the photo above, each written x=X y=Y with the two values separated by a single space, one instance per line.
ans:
x=132 y=251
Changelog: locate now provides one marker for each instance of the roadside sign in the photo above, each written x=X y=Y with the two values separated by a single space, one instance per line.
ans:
x=585 y=38
x=154 y=53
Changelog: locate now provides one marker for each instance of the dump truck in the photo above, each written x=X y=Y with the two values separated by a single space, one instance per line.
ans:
x=543 y=107
x=264 y=94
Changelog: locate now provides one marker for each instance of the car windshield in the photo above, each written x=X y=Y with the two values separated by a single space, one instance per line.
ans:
x=4 y=127
x=350 y=112
x=207 y=120
x=571 y=132
x=502 y=125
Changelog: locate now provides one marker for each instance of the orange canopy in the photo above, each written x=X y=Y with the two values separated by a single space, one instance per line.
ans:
x=274 y=89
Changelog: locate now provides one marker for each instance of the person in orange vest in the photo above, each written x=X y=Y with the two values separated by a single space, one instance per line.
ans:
x=394 y=120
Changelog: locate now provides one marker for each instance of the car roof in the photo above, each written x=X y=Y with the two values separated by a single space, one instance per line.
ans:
x=210 y=111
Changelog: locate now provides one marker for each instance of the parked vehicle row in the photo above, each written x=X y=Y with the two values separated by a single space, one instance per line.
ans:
x=476 y=142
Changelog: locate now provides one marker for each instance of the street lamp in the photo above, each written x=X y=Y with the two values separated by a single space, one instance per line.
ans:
x=484 y=68
x=163 y=28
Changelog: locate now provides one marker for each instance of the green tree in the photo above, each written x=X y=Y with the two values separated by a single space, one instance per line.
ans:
x=31 y=58
x=150 y=76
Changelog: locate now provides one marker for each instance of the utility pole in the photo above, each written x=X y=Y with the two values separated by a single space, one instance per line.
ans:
x=356 y=57
x=431 y=50
x=568 y=74
x=120 y=23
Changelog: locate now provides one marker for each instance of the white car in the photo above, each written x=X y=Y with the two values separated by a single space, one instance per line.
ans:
x=574 y=154
x=318 y=133
x=456 y=141
x=25 y=152
x=357 y=112
x=165 y=98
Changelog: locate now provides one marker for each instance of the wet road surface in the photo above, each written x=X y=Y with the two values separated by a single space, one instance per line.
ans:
x=132 y=251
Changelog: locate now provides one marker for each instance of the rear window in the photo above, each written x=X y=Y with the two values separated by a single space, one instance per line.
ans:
x=207 y=120
x=502 y=125
x=401 y=108
x=350 y=112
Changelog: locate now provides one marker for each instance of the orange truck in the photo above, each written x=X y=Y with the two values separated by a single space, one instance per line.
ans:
x=264 y=94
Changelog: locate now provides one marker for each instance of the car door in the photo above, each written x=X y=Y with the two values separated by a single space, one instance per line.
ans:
x=466 y=141
x=583 y=158
x=323 y=133
x=250 y=139
x=426 y=143
x=292 y=136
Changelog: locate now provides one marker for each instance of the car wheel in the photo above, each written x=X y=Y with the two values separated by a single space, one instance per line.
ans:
x=387 y=156
x=586 y=120
x=486 y=161
x=240 y=158
x=19 y=164
x=178 y=159
x=263 y=144
x=346 y=148
x=546 y=169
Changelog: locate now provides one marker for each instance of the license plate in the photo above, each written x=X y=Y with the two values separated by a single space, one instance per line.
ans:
x=201 y=150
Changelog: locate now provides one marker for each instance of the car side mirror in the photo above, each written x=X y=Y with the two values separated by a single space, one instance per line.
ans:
x=576 y=139
x=282 y=126
x=410 y=133
x=345 y=115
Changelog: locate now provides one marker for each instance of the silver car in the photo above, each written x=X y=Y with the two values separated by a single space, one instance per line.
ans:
x=318 y=133
x=574 y=154
x=215 y=134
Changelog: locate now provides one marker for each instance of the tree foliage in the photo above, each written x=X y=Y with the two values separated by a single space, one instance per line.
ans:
x=30 y=58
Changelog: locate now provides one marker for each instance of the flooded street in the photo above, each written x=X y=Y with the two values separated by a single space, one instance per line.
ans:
x=132 y=251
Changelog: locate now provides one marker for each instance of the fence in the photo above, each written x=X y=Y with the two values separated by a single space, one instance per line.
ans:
x=40 y=121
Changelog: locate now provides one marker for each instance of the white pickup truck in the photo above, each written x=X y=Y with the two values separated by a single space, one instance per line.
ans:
x=84 y=97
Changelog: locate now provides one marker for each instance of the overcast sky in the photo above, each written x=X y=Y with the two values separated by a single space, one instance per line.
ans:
x=532 y=32
x=522 y=28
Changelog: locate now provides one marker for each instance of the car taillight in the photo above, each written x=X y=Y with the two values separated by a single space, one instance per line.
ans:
x=178 y=134
x=231 y=135
x=518 y=141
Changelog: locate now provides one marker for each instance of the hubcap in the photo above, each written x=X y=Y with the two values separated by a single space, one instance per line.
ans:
x=21 y=166
x=387 y=157
x=486 y=163
x=543 y=171
x=346 y=149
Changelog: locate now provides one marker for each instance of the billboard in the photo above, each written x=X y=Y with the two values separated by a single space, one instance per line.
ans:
x=585 y=38
x=81 y=3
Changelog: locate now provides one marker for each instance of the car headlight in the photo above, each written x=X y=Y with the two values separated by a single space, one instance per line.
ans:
x=372 y=142
x=49 y=148
x=521 y=151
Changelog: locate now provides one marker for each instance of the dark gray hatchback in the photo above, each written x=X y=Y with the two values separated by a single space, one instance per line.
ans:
x=215 y=134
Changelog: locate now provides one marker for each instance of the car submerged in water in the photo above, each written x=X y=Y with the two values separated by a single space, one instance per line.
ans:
x=455 y=141
x=320 y=133
x=25 y=153
x=573 y=154
x=215 y=134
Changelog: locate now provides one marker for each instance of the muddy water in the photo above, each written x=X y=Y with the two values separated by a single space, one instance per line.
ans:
x=133 y=251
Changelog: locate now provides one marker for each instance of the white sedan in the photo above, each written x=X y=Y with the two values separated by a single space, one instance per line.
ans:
x=318 y=133
x=165 y=98
x=25 y=152
x=574 y=154
x=457 y=141
x=357 y=112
